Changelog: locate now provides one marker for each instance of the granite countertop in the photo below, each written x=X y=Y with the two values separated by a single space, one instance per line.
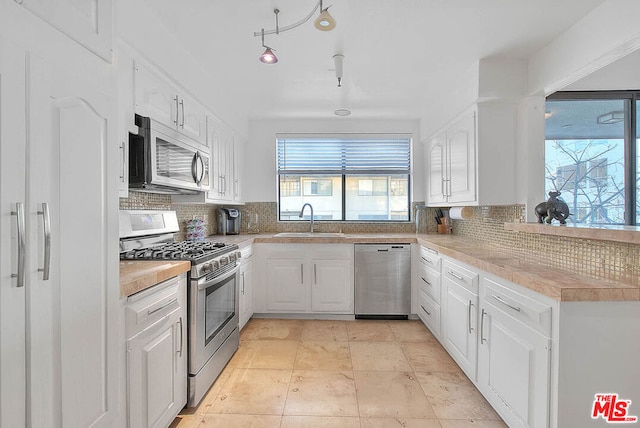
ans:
x=562 y=285
x=141 y=274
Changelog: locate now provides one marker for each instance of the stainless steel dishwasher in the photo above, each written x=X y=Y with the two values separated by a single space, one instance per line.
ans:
x=383 y=281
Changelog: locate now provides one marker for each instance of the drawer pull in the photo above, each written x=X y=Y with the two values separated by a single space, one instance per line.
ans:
x=453 y=274
x=428 y=283
x=499 y=299
x=469 y=317
x=425 y=309
x=482 y=339
x=166 y=305
x=426 y=260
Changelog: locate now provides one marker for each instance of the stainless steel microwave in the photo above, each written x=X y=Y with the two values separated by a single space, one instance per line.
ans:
x=162 y=160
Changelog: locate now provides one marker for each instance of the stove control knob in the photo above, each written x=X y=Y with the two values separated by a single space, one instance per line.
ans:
x=238 y=255
x=215 y=265
x=224 y=260
x=207 y=267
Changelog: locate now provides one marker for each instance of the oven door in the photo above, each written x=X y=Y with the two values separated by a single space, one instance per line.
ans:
x=213 y=315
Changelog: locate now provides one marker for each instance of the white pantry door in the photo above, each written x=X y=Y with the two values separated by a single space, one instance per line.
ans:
x=72 y=316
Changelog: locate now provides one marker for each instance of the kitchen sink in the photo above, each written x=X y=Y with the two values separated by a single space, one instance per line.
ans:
x=309 y=235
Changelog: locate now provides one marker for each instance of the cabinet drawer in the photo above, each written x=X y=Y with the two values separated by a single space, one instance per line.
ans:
x=148 y=306
x=430 y=258
x=461 y=276
x=531 y=312
x=429 y=281
x=429 y=312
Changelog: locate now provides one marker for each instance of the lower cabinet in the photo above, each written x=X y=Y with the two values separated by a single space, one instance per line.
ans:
x=246 y=286
x=307 y=278
x=514 y=354
x=157 y=354
x=459 y=315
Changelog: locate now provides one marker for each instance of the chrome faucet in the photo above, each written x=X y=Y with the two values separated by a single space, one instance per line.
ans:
x=302 y=211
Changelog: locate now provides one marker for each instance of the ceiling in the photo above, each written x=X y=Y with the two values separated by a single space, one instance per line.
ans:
x=401 y=56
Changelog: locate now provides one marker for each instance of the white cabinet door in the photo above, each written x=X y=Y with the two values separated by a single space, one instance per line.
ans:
x=13 y=367
x=155 y=97
x=332 y=286
x=461 y=146
x=246 y=291
x=459 y=325
x=287 y=289
x=192 y=119
x=437 y=157
x=429 y=312
x=73 y=314
x=513 y=368
x=156 y=359
x=88 y=22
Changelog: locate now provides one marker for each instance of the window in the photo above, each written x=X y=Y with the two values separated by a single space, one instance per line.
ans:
x=345 y=177
x=590 y=157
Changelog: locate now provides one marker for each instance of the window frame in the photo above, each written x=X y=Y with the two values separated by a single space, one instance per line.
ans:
x=630 y=137
x=390 y=176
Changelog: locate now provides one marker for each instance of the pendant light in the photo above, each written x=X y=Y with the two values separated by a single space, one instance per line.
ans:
x=268 y=57
x=325 y=21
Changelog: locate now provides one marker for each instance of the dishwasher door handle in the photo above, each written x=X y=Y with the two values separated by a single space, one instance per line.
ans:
x=383 y=250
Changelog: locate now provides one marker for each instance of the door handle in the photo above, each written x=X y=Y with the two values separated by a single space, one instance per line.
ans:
x=315 y=274
x=182 y=105
x=176 y=100
x=19 y=213
x=425 y=309
x=46 y=222
x=181 y=336
x=482 y=339
x=243 y=283
x=197 y=158
x=122 y=164
x=427 y=282
x=469 y=315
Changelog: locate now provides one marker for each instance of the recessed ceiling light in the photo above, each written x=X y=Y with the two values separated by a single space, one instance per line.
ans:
x=342 y=112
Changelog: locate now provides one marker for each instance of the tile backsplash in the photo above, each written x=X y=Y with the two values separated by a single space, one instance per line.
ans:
x=600 y=259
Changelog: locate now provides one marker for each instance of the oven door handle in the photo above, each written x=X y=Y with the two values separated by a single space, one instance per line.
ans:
x=203 y=284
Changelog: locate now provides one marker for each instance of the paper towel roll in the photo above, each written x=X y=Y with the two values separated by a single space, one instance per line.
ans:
x=461 y=213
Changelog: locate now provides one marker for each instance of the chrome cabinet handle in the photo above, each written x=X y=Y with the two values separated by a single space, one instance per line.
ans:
x=426 y=260
x=499 y=299
x=220 y=192
x=235 y=187
x=46 y=222
x=444 y=193
x=301 y=273
x=176 y=100
x=243 y=283
x=19 y=213
x=166 y=305
x=181 y=336
x=482 y=339
x=182 y=105
x=315 y=274
x=122 y=164
x=428 y=283
x=469 y=317
x=455 y=275
x=425 y=309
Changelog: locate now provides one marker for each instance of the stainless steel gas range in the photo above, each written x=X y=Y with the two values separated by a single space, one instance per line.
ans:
x=213 y=333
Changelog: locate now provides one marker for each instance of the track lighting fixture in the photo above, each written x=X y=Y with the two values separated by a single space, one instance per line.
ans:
x=268 y=57
x=338 y=60
x=324 y=22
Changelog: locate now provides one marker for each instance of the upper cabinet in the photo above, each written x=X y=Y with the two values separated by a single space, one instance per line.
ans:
x=88 y=22
x=157 y=98
x=472 y=160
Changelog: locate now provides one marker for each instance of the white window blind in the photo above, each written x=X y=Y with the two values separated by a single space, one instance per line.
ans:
x=348 y=155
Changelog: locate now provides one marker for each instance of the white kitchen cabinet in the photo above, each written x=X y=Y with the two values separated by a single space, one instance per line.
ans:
x=238 y=157
x=87 y=22
x=308 y=278
x=246 y=285
x=429 y=288
x=126 y=114
x=58 y=174
x=459 y=315
x=472 y=160
x=331 y=286
x=514 y=354
x=158 y=98
x=157 y=353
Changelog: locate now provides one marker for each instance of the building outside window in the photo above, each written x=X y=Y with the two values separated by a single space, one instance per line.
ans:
x=345 y=177
x=590 y=156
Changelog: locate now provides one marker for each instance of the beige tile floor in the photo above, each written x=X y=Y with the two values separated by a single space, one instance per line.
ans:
x=343 y=374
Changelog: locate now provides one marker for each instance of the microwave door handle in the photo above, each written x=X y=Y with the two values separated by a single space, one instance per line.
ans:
x=195 y=162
